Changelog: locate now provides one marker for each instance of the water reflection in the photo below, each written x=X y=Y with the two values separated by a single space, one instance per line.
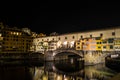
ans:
x=98 y=72
x=15 y=73
x=59 y=70
x=64 y=70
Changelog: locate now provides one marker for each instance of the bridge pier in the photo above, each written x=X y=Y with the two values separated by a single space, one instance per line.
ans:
x=95 y=57
x=48 y=56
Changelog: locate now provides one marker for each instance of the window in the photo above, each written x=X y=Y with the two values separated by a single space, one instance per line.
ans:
x=59 y=38
x=81 y=36
x=53 y=39
x=104 y=47
x=97 y=38
x=65 y=37
x=110 y=40
x=73 y=37
x=90 y=36
x=104 y=42
x=97 y=42
x=99 y=47
x=78 y=43
x=111 y=46
x=78 y=47
x=113 y=33
x=101 y=35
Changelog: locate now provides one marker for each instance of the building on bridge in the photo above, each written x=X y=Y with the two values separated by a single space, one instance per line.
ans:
x=93 y=45
x=95 y=40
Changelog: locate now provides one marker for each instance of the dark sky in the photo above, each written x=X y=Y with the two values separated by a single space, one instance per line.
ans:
x=60 y=17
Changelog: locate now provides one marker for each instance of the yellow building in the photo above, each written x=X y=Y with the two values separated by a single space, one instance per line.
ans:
x=98 y=43
x=105 y=45
x=80 y=38
x=117 y=44
x=78 y=45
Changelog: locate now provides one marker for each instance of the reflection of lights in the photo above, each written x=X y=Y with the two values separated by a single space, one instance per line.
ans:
x=65 y=79
x=17 y=33
x=71 y=60
x=53 y=53
x=58 y=77
x=64 y=76
x=53 y=67
x=14 y=33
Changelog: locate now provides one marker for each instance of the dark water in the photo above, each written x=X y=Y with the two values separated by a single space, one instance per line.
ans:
x=59 y=70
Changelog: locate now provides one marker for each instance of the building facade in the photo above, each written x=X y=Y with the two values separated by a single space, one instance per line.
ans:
x=14 y=40
x=95 y=40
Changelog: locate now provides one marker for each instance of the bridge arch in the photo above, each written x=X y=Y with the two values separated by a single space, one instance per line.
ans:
x=51 y=55
x=79 y=53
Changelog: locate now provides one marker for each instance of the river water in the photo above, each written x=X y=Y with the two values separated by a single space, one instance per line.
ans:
x=58 y=70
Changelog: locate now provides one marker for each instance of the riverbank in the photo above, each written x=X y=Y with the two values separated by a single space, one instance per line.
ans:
x=117 y=77
x=21 y=59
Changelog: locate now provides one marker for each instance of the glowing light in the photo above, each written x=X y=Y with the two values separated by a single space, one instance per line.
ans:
x=72 y=43
x=58 y=44
x=53 y=53
x=17 y=33
x=65 y=79
x=65 y=43
x=58 y=77
x=14 y=33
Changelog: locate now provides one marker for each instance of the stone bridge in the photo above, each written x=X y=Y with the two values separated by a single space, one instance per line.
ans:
x=90 y=57
x=80 y=53
x=49 y=55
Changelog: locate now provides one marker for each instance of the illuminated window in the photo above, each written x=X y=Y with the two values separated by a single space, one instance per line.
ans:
x=65 y=43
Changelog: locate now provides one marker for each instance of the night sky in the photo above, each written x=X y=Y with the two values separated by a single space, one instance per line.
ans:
x=61 y=18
